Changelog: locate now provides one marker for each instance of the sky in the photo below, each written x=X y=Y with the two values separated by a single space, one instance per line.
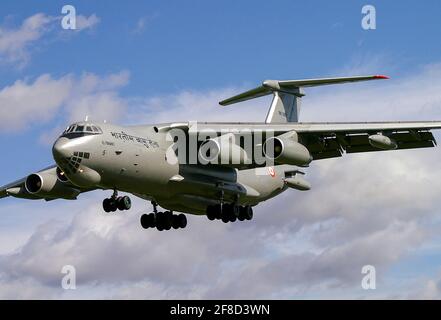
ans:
x=137 y=62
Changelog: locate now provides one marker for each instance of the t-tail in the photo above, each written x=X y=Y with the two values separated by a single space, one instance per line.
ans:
x=287 y=94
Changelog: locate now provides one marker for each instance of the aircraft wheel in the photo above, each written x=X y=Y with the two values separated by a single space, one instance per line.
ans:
x=168 y=216
x=234 y=213
x=145 y=221
x=230 y=212
x=211 y=213
x=175 y=222
x=124 y=203
x=113 y=205
x=241 y=216
x=182 y=220
x=160 y=221
x=225 y=218
x=106 y=205
x=151 y=221
x=218 y=211
x=248 y=212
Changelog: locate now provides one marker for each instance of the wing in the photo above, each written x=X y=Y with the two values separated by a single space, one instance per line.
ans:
x=18 y=189
x=329 y=140
x=15 y=184
x=333 y=139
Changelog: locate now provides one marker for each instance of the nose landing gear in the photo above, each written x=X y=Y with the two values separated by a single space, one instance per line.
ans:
x=116 y=203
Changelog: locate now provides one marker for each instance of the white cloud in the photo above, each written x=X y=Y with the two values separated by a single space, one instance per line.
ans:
x=14 y=43
x=84 y=22
x=28 y=103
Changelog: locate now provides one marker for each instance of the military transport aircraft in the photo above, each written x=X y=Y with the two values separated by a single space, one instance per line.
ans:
x=221 y=170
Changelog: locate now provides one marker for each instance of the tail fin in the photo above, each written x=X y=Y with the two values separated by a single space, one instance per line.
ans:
x=285 y=106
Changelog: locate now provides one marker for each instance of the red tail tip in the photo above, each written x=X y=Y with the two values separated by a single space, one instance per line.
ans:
x=380 y=76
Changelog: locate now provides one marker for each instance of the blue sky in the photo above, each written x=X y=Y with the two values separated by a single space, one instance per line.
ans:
x=206 y=45
x=165 y=53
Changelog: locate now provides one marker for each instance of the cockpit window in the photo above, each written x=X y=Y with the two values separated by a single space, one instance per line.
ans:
x=79 y=130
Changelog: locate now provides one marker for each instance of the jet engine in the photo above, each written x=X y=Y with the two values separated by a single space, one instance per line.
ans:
x=222 y=150
x=46 y=184
x=285 y=149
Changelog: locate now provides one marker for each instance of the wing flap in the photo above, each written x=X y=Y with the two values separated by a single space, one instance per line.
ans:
x=329 y=147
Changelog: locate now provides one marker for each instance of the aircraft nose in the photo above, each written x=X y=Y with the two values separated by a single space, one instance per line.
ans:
x=60 y=149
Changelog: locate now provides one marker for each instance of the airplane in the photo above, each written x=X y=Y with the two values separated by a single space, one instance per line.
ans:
x=221 y=170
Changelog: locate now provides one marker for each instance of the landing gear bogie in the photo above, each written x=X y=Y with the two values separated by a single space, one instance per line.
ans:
x=229 y=212
x=163 y=220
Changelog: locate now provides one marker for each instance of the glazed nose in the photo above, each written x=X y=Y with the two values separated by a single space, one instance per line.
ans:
x=61 y=149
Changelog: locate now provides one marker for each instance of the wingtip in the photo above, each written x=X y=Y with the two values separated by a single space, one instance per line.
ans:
x=381 y=76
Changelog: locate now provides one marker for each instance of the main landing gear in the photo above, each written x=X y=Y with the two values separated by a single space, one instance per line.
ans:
x=163 y=220
x=229 y=212
x=116 y=203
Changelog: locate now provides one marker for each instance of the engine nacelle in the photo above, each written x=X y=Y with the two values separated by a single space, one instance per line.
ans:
x=382 y=142
x=46 y=184
x=222 y=150
x=298 y=183
x=286 y=149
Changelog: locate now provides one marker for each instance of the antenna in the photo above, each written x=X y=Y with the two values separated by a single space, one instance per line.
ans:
x=87 y=118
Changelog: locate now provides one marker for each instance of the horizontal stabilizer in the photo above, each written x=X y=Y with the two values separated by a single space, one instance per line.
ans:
x=292 y=87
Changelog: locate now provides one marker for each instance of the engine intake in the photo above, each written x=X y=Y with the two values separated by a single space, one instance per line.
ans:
x=222 y=150
x=286 y=149
x=46 y=184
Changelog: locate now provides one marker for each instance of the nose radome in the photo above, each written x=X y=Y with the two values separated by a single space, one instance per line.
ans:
x=61 y=149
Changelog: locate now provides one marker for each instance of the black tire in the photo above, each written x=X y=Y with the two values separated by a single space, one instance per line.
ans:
x=225 y=219
x=235 y=210
x=127 y=202
x=119 y=203
x=217 y=211
x=231 y=212
x=160 y=221
x=241 y=216
x=248 y=213
x=226 y=210
x=106 y=205
x=211 y=213
x=145 y=221
x=168 y=219
x=123 y=203
x=113 y=205
x=175 y=222
x=151 y=220
x=182 y=220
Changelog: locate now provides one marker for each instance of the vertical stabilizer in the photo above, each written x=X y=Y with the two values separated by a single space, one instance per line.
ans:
x=285 y=107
